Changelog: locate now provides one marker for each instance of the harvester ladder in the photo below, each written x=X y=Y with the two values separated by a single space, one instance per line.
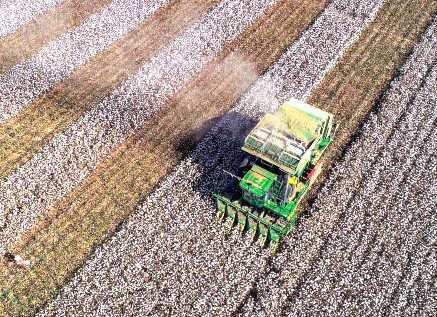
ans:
x=276 y=189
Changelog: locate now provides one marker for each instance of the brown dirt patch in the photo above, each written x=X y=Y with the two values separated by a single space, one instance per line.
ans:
x=27 y=41
x=26 y=133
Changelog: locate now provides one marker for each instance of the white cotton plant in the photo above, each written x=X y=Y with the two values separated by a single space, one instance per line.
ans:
x=50 y=174
x=369 y=202
x=56 y=61
x=171 y=252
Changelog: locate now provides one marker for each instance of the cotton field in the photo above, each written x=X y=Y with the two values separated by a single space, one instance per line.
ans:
x=108 y=210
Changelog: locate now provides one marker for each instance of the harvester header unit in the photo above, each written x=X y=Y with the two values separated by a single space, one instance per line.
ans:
x=283 y=159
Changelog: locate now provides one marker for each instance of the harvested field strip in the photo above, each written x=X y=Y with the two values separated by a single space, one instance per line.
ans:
x=313 y=237
x=56 y=61
x=368 y=66
x=16 y=13
x=23 y=135
x=19 y=46
x=130 y=173
x=27 y=194
x=175 y=231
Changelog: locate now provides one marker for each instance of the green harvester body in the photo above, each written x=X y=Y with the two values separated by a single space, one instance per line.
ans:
x=283 y=159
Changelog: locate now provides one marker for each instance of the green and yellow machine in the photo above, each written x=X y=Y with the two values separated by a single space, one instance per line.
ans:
x=283 y=160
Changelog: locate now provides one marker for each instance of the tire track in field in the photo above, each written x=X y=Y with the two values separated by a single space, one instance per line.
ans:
x=19 y=46
x=57 y=60
x=16 y=13
x=180 y=279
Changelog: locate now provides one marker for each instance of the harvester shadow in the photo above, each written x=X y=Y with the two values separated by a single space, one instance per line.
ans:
x=216 y=146
x=219 y=142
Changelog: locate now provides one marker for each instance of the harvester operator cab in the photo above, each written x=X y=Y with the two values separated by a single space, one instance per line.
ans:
x=256 y=186
x=281 y=148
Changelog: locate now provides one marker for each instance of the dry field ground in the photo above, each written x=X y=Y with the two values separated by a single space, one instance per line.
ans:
x=117 y=118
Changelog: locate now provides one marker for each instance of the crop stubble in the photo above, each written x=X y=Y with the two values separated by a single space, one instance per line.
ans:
x=22 y=44
x=124 y=179
x=23 y=135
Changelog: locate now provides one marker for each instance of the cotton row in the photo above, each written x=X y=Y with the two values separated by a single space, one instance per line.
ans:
x=34 y=187
x=16 y=13
x=367 y=207
x=28 y=80
x=183 y=266
x=388 y=223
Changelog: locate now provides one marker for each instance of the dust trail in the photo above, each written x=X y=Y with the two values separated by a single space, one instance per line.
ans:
x=16 y=13
x=182 y=265
x=20 y=85
x=34 y=187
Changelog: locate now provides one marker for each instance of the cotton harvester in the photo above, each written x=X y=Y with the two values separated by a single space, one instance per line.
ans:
x=283 y=160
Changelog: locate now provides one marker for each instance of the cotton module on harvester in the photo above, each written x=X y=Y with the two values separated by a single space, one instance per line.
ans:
x=284 y=157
